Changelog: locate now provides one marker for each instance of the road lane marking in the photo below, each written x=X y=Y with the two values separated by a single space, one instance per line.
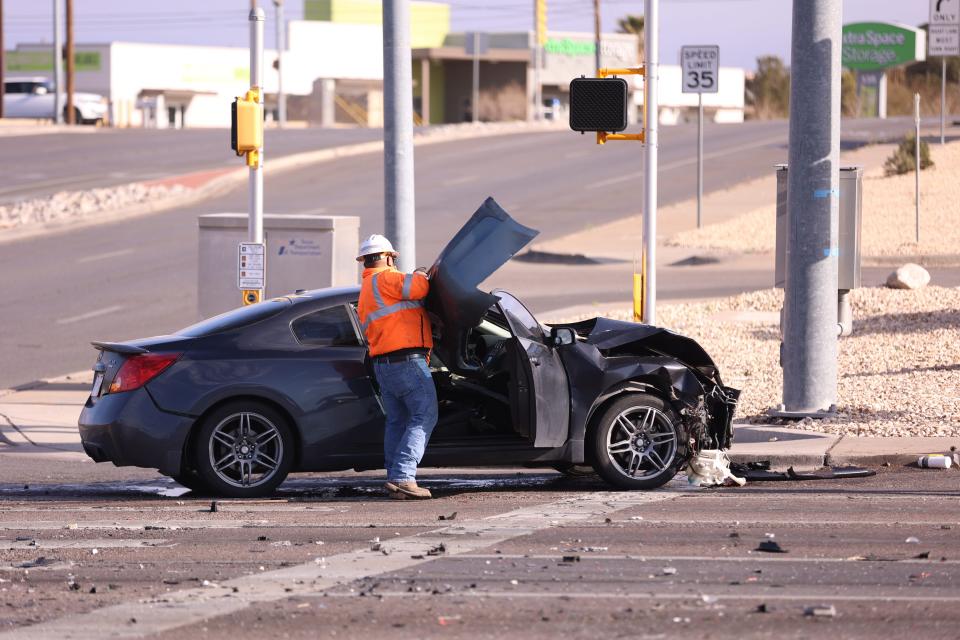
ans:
x=638 y=175
x=104 y=256
x=190 y=606
x=91 y=543
x=673 y=558
x=638 y=595
x=90 y=314
x=461 y=180
x=133 y=525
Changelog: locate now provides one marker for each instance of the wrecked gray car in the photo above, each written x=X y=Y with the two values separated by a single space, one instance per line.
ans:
x=233 y=404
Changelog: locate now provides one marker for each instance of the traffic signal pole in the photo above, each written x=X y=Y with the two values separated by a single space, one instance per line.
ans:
x=398 y=132
x=58 y=61
x=281 y=45
x=652 y=109
x=71 y=112
x=810 y=333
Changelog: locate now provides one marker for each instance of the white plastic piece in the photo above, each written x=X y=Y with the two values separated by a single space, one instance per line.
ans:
x=934 y=461
x=711 y=468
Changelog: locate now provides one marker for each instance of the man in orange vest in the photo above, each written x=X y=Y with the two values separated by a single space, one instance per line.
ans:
x=399 y=338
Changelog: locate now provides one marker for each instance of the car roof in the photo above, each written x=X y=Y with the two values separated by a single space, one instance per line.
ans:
x=329 y=295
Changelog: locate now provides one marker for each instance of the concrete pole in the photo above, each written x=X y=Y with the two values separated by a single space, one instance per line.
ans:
x=281 y=45
x=537 y=64
x=255 y=223
x=810 y=297
x=398 y=132
x=71 y=114
x=425 y=91
x=651 y=36
x=596 y=34
x=58 y=61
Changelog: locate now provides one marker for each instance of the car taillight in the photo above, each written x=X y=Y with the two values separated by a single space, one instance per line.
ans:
x=139 y=370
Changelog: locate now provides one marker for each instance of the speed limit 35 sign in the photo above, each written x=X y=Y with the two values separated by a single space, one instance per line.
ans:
x=701 y=68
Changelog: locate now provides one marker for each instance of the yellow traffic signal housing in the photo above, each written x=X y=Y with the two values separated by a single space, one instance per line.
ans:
x=246 y=126
x=541 y=8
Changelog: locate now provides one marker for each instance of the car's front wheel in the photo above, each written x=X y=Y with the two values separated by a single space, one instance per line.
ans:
x=639 y=442
x=243 y=450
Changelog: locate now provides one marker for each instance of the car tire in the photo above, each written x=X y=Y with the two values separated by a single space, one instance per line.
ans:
x=243 y=449
x=647 y=457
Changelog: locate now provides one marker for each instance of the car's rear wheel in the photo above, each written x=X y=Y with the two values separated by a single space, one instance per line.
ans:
x=243 y=450
x=639 y=442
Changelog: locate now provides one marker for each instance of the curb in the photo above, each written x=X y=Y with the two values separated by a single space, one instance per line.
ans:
x=780 y=462
x=225 y=178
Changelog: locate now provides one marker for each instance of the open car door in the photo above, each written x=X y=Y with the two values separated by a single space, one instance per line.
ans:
x=484 y=244
x=540 y=396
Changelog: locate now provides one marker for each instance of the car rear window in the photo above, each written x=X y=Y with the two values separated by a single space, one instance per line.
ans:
x=236 y=318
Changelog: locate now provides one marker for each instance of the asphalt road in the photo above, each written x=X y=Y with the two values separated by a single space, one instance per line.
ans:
x=49 y=163
x=137 y=277
x=530 y=555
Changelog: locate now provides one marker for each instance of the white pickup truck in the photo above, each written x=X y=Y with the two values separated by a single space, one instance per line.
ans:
x=33 y=98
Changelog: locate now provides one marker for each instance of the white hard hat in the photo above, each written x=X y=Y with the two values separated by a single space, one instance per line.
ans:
x=375 y=244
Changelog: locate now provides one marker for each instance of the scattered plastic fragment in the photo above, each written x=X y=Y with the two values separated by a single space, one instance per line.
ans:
x=213 y=507
x=770 y=546
x=934 y=461
x=711 y=468
x=922 y=556
x=445 y=620
x=912 y=540
x=669 y=571
x=452 y=516
x=820 y=611
x=571 y=558
x=763 y=608
x=94 y=551
x=514 y=581
x=440 y=549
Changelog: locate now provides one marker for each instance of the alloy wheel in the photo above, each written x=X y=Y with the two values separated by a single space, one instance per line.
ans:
x=245 y=449
x=642 y=442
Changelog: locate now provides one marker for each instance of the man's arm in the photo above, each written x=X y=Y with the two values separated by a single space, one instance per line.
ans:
x=407 y=286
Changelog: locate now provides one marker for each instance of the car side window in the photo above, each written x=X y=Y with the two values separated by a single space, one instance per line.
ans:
x=521 y=321
x=326 y=328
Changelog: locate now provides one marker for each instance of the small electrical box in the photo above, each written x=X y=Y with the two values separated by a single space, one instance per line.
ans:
x=246 y=125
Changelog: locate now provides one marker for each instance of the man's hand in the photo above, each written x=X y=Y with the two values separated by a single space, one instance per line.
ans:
x=422 y=271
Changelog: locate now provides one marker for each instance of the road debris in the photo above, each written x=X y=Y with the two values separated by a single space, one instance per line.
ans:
x=770 y=546
x=820 y=611
x=438 y=550
x=711 y=468
x=213 y=506
x=934 y=461
x=668 y=571
x=452 y=516
x=570 y=559
x=912 y=540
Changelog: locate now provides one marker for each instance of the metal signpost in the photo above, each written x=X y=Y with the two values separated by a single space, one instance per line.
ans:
x=700 y=74
x=916 y=124
x=281 y=45
x=476 y=45
x=540 y=39
x=944 y=41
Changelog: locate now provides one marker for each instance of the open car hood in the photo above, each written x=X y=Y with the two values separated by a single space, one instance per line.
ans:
x=484 y=244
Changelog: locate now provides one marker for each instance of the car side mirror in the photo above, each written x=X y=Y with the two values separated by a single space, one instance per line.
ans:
x=40 y=90
x=560 y=336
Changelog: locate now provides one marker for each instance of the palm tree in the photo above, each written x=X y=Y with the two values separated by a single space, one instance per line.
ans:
x=633 y=24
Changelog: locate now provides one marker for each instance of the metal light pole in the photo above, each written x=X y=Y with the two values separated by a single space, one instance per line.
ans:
x=699 y=158
x=281 y=45
x=71 y=113
x=651 y=101
x=475 y=100
x=539 y=38
x=596 y=34
x=943 y=97
x=809 y=354
x=58 y=61
x=916 y=146
x=3 y=62
x=255 y=223
x=398 y=131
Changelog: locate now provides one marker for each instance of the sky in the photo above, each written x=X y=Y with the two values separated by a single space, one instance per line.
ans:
x=744 y=29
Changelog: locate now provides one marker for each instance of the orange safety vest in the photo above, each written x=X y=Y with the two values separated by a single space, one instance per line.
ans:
x=391 y=310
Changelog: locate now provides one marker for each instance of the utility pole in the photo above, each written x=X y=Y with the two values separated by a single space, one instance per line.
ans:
x=3 y=62
x=398 y=131
x=651 y=101
x=71 y=113
x=596 y=34
x=281 y=45
x=57 y=61
x=810 y=332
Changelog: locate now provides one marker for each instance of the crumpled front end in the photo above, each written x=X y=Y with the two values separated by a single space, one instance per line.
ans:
x=673 y=363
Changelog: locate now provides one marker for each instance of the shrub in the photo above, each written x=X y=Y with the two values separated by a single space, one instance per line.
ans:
x=903 y=159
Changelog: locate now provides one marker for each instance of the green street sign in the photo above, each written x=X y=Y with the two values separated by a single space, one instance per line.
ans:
x=27 y=61
x=877 y=45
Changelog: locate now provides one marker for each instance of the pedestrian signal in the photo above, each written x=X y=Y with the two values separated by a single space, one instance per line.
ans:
x=598 y=104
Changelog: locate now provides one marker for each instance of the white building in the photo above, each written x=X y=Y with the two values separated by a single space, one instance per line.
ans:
x=676 y=106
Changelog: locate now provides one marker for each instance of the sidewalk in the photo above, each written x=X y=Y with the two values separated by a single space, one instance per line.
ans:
x=40 y=421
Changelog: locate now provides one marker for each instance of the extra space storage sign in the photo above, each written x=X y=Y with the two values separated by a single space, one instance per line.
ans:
x=870 y=46
x=701 y=68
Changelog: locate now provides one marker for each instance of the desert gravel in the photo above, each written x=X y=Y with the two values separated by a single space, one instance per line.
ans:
x=888 y=216
x=899 y=371
x=70 y=206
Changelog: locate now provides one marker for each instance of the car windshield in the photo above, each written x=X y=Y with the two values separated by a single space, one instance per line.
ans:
x=236 y=318
x=522 y=322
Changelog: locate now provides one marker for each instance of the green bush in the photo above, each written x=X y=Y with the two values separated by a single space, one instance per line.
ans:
x=903 y=159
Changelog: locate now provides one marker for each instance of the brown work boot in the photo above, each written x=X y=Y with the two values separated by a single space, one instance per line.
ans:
x=407 y=491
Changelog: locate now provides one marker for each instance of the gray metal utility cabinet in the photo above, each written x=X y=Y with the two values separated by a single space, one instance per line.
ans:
x=303 y=251
x=848 y=242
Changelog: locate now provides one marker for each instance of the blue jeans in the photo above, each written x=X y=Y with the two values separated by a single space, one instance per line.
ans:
x=410 y=400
